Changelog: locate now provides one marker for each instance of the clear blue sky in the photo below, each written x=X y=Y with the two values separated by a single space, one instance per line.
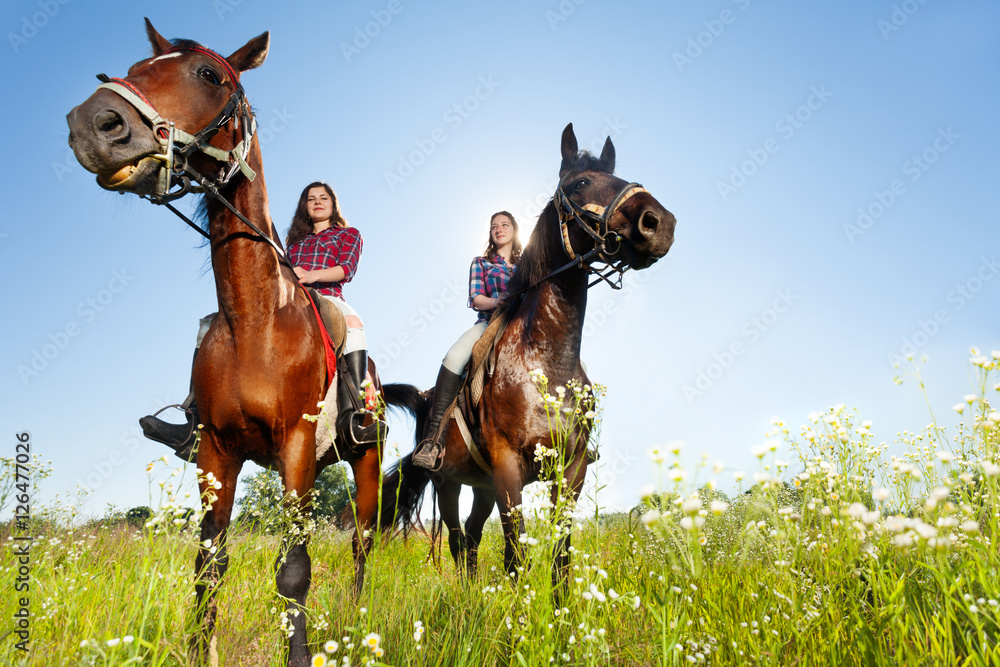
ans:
x=832 y=166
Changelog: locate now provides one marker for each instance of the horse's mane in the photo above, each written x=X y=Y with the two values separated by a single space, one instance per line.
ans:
x=542 y=250
x=585 y=161
x=186 y=43
x=535 y=263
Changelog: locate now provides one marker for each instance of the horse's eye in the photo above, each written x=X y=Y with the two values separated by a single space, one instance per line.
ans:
x=580 y=184
x=208 y=74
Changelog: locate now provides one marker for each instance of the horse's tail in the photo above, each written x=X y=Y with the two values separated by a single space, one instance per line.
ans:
x=408 y=398
x=403 y=484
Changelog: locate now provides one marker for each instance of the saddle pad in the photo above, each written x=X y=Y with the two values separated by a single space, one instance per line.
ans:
x=326 y=420
x=326 y=430
x=482 y=352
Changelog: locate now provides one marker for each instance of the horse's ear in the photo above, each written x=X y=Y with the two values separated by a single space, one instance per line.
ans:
x=607 y=161
x=570 y=150
x=251 y=54
x=159 y=42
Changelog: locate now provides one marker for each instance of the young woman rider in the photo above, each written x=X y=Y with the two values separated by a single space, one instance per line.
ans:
x=324 y=251
x=488 y=279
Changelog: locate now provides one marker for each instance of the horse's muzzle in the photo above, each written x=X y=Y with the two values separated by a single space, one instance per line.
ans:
x=110 y=139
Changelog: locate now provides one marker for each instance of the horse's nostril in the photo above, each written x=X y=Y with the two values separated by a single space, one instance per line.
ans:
x=109 y=122
x=648 y=222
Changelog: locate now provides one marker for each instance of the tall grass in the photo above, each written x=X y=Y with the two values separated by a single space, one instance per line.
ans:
x=841 y=555
x=846 y=554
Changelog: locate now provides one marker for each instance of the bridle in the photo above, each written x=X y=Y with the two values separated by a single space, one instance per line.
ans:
x=177 y=177
x=609 y=247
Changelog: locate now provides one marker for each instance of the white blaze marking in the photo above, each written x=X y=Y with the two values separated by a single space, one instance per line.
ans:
x=175 y=54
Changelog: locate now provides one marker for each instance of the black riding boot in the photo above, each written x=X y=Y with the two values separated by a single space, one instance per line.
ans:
x=428 y=453
x=352 y=416
x=179 y=437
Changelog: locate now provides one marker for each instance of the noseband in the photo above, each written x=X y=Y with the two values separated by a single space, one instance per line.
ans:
x=178 y=146
x=609 y=247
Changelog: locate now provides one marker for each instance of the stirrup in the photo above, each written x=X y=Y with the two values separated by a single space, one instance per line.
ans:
x=429 y=455
x=376 y=431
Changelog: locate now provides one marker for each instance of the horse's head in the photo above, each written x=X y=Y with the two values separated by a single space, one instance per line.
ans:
x=182 y=110
x=620 y=222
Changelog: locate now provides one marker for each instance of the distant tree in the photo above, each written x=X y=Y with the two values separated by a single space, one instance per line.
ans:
x=138 y=516
x=331 y=494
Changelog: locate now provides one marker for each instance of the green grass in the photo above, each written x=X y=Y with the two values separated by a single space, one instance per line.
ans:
x=844 y=555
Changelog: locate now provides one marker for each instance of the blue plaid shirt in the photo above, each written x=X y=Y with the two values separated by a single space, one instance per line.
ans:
x=488 y=277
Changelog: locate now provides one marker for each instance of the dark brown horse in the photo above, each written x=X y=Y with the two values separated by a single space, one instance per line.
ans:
x=594 y=219
x=181 y=120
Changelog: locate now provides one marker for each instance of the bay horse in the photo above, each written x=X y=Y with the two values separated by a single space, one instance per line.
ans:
x=594 y=220
x=262 y=365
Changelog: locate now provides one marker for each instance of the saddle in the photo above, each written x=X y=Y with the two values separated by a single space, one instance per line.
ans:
x=333 y=319
x=463 y=408
x=483 y=359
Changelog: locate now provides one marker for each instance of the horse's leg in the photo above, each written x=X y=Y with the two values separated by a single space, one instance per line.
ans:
x=483 y=502
x=508 y=482
x=366 y=478
x=294 y=566
x=212 y=560
x=575 y=474
x=448 y=493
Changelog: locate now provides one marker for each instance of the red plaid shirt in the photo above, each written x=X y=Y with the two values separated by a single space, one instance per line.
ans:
x=334 y=246
x=488 y=277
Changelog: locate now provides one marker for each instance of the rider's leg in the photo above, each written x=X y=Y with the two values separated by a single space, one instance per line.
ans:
x=449 y=383
x=352 y=368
